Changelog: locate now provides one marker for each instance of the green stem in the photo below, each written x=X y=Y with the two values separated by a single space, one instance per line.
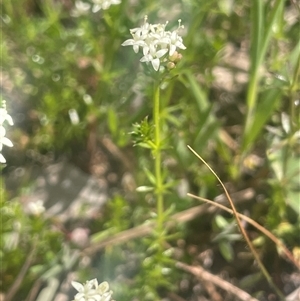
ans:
x=261 y=36
x=251 y=100
x=157 y=154
x=294 y=123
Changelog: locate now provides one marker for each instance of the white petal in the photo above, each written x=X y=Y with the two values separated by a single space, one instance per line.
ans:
x=296 y=135
x=180 y=45
x=2 y=159
x=82 y=6
x=129 y=42
x=78 y=286
x=9 y=119
x=6 y=142
x=172 y=50
x=2 y=131
x=146 y=50
x=95 y=282
x=136 y=48
x=106 y=5
x=96 y=8
x=146 y=58
x=103 y=287
x=165 y=40
x=3 y=114
x=155 y=63
x=80 y=297
x=161 y=53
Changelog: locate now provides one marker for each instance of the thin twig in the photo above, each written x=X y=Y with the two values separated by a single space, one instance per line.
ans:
x=17 y=283
x=34 y=290
x=243 y=231
x=146 y=229
x=210 y=287
x=278 y=242
x=206 y=276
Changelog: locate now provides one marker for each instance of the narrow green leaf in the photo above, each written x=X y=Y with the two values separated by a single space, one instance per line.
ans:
x=199 y=94
x=112 y=120
x=144 y=189
x=265 y=108
x=150 y=175
x=226 y=250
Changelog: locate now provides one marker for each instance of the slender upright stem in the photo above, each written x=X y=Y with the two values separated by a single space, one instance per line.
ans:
x=294 y=86
x=157 y=154
x=261 y=36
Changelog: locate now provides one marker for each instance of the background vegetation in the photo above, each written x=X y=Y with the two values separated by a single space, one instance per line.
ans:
x=234 y=98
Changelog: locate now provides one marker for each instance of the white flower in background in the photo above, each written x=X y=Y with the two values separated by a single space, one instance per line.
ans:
x=36 y=208
x=4 y=116
x=80 y=236
x=74 y=116
x=104 y=4
x=81 y=8
x=91 y=291
x=156 y=42
x=86 y=292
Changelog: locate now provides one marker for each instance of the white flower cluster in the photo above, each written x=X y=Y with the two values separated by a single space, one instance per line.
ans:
x=82 y=8
x=91 y=291
x=4 y=116
x=36 y=208
x=156 y=42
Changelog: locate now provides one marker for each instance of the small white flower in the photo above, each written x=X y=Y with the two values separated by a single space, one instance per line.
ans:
x=175 y=42
x=104 y=292
x=81 y=8
x=154 y=56
x=136 y=42
x=86 y=292
x=139 y=35
x=104 y=4
x=155 y=42
x=74 y=116
x=91 y=291
x=80 y=236
x=36 y=208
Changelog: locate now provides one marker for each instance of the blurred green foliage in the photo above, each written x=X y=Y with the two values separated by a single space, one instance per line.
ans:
x=55 y=63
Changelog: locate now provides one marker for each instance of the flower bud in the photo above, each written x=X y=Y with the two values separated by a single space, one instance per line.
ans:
x=173 y=57
x=179 y=58
x=171 y=65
